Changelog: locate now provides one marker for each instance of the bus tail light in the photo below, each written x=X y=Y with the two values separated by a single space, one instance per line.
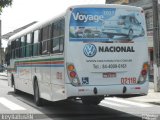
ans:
x=72 y=74
x=143 y=74
x=70 y=67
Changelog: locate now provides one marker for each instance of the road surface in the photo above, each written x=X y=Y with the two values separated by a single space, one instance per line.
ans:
x=21 y=106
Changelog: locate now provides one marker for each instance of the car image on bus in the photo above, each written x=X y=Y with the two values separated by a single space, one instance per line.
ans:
x=52 y=61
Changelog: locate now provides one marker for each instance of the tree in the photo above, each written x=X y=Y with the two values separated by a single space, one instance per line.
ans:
x=4 y=3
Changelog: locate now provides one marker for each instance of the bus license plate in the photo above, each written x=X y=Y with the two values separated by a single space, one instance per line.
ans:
x=109 y=75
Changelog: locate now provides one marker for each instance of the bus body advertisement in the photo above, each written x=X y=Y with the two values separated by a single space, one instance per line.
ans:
x=104 y=53
x=108 y=48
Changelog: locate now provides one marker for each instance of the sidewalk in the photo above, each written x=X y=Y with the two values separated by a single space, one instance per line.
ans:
x=3 y=75
x=152 y=97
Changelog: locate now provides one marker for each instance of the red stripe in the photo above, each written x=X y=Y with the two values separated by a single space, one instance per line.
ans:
x=32 y=63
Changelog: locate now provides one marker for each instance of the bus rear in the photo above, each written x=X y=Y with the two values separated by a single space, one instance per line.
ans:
x=106 y=52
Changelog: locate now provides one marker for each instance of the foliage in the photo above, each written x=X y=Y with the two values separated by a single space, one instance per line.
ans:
x=5 y=3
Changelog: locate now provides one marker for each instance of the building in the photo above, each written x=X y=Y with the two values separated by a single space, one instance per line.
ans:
x=2 y=55
x=6 y=36
x=148 y=10
x=121 y=1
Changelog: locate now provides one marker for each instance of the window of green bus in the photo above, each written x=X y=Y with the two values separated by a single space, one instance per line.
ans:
x=29 y=45
x=23 y=47
x=8 y=54
x=13 y=49
x=58 y=36
x=17 y=49
x=36 y=43
x=46 y=39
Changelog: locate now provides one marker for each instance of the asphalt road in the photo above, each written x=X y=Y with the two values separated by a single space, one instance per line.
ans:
x=21 y=106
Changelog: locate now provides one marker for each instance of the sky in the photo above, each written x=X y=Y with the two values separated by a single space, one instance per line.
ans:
x=23 y=12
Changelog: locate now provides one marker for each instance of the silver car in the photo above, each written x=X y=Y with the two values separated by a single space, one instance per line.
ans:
x=126 y=25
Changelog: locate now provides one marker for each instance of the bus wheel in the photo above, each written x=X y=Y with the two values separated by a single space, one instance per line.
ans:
x=130 y=34
x=15 y=90
x=14 y=86
x=91 y=100
x=37 y=99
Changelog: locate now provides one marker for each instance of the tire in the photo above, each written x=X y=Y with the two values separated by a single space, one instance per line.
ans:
x=143 y=33
x=14 y=86
x=15 y=90
x=110 y=35
x=130 y=34
x=91 y=100
x=37 y=99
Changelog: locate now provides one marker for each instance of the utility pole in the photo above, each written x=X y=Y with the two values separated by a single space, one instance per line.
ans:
x=156 y=43
x=108 y=1
x=0 y=32
x=0 y=43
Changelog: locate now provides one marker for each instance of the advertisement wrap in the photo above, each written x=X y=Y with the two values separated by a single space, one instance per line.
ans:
x=109 y=42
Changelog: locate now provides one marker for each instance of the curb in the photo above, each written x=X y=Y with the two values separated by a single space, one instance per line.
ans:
x=3 y=74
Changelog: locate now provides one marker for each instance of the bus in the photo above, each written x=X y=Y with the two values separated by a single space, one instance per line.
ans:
x=89 y=52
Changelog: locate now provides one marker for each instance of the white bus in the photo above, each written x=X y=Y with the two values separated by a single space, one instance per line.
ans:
x=82 y=53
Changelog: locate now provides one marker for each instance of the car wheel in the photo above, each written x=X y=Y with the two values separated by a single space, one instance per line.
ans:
x=14 y=87
x=142 y=33
x=110 y=35
x=130 y=34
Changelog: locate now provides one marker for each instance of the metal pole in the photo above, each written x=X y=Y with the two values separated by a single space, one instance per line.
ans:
x=156 y=44
x=0 y=43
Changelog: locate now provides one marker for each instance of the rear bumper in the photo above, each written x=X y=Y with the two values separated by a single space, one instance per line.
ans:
x=108 y=90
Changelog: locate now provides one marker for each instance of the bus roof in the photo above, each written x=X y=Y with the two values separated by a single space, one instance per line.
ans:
x=36 y=26
x=108 y=6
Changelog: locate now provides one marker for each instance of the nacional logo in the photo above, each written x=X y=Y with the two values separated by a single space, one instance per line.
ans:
x=90 y=50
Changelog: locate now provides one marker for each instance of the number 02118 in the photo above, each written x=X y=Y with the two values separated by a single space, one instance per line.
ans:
x=128 y=80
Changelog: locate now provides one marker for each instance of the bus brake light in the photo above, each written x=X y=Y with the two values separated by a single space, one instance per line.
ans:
x=143 y=73
x=73 y=74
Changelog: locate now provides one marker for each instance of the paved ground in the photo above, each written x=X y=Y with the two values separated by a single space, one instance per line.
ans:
x=111 y=108
x=3 y=75
x=152 y=97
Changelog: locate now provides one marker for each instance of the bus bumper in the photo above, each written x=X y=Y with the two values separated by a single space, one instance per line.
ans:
x=108 y=90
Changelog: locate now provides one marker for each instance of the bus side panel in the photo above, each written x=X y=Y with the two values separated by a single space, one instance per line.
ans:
x=22 y=75
x=41 y=73
x=14 y=75
x=57 y=77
